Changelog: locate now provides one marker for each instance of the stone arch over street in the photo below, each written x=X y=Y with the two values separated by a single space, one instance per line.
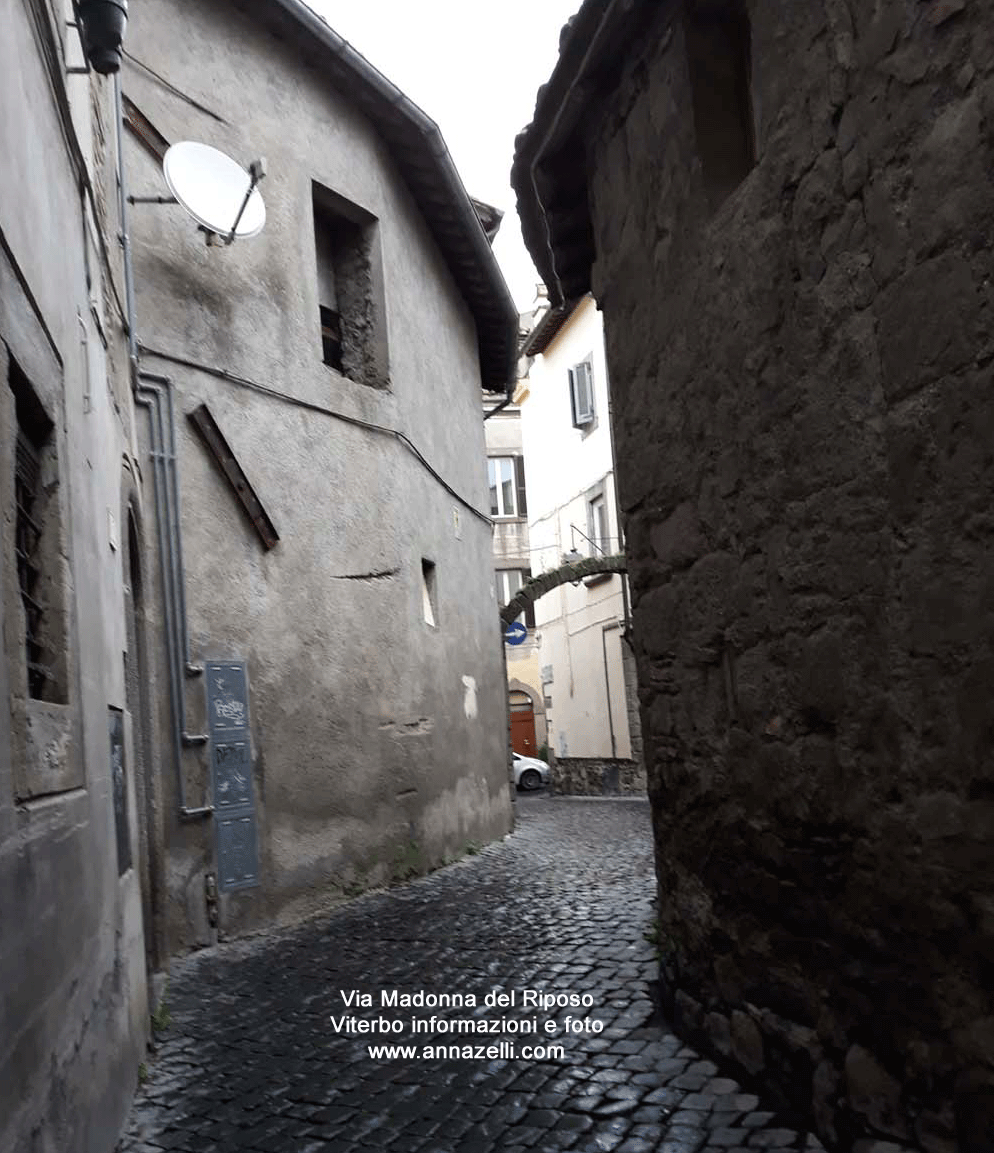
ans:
x=575 y=571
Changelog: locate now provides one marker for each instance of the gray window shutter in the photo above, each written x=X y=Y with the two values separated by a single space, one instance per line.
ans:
x=587 y=408
x=581 y=394
x=519 y=480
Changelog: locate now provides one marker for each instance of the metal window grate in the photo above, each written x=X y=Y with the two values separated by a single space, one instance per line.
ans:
x=27 y=541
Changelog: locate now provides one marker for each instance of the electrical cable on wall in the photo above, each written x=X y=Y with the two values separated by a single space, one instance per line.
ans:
x=265 y=390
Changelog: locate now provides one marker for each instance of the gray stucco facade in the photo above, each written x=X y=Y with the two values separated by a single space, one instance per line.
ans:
x=378 y=736
x=73 y=1009
x=796 y=290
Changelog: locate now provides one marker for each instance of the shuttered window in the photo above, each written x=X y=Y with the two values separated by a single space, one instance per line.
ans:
x=581 y=394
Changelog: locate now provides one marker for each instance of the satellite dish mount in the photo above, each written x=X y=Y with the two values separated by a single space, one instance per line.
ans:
x=257 y=172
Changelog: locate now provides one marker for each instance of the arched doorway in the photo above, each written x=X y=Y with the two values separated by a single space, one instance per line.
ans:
x=522 y=723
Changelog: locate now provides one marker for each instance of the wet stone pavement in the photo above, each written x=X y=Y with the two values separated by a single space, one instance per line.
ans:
x=252 y=1060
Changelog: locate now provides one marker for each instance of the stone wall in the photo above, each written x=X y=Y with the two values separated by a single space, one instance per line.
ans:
x=597 y=777
x=805 y=439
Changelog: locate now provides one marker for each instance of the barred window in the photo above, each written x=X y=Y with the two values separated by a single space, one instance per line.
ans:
x=36 y=543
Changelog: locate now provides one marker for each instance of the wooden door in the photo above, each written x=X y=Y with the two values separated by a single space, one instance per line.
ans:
x=522 y=724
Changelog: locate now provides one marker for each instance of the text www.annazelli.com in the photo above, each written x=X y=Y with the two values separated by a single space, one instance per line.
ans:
x=504 y=1051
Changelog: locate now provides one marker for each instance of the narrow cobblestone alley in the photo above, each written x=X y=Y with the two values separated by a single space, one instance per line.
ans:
x=251 y=1059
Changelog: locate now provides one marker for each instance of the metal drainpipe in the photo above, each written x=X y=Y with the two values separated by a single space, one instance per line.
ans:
x=170 y=564
x=498 y=408
x=148 y=390
x=149 y=399
x=607 y=689
x=190 y=668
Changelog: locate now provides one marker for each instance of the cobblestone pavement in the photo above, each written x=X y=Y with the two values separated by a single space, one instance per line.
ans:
x=251 y=1059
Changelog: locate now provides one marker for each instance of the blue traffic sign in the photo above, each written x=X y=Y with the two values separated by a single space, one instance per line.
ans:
x=516 y=633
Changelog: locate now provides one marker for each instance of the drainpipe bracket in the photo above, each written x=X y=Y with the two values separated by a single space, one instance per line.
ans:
x=195 y=814
x=193 y=670
x=195 y=739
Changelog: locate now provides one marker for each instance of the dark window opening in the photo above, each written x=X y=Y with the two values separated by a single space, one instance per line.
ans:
x=718 y=41
x=429 y=600
x=36 y=542
x=348 y=280
x=331 y=337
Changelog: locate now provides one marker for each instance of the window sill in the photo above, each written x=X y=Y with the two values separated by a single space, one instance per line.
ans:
x=51 y=762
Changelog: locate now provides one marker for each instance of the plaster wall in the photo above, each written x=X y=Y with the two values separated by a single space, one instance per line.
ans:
x=73 y=1013
x=512 y=550
x=804 y=434
x=379 y=739
x=565 y=467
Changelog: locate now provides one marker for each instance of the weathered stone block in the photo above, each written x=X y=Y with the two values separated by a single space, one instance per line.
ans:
x=873 y=1092
x=924 y=322
x=719 y=1033
x=747 y=1042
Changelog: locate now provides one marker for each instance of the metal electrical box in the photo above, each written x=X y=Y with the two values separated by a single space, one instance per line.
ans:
x=231 y=775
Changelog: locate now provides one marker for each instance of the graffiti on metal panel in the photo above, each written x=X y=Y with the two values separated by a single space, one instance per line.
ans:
x=228 y=710
x=232 y=775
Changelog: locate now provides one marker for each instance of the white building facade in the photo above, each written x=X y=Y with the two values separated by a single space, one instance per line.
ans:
x=585 y=664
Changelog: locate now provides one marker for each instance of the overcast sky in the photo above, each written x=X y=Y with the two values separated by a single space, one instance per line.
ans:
x=475 y=68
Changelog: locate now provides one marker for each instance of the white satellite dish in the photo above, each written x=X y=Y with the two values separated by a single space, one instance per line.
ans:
x=216 y=191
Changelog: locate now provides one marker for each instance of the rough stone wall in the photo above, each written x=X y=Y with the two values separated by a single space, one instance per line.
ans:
x=805 y=437
x=597 y=777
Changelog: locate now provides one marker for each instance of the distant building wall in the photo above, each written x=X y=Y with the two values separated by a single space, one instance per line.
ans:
x=568 y=468
x=73 y=1011
x=513 y=561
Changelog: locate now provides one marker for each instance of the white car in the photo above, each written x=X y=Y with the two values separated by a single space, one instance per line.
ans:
x=529 y=772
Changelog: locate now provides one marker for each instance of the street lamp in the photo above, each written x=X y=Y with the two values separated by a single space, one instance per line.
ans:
x=101 y=27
